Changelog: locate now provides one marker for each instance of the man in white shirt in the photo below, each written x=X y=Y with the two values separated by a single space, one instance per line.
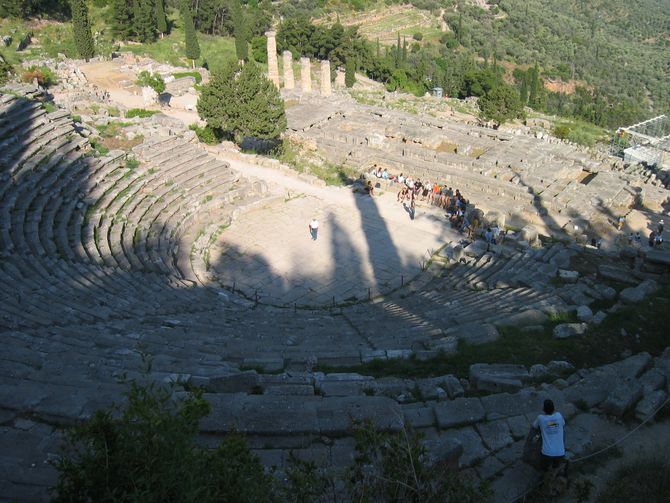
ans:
x=314 y=228
x=551 y=425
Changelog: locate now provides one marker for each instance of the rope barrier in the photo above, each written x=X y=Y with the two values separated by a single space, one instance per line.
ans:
x=597 y=453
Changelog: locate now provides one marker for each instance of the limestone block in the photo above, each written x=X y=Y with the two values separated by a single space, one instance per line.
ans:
x=305 y=75
x=565 y=330
x=149 y=96
x=289 y=80
x=623 y=398
x=559 y=367
x=652 y=380
x=338 y=415
x=519 y=426
x=475 y=333
x=490 y=467
x=273 y=65
x=339 y=78
x=443 y=453
x=650 y=404
x=523 y=319
x=469 y=439
x=638 y=293
x=584 y=313
x=617 y=274
x=495 y=434
x=234 y=383
x=599 y=317
x=459 y=412
x=538 y=372
x=568 y=276
x=326 y=89
x=498 y=377
x=419 y=417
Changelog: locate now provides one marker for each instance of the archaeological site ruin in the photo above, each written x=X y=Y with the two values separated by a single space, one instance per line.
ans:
x=199 y=257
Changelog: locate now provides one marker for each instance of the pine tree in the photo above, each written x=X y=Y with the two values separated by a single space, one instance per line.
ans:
x=146 y=23
x=378 y=49
x=241 y=100
x=192 y=46
x=161 y=22
x=350 y=72
x=81 y=28
x=122 y=20
x=239 y=31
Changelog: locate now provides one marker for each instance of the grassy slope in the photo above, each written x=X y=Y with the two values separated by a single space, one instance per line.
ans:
x=632 y=329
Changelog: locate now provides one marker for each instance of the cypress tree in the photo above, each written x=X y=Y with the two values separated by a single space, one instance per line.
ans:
x=523 y=92
x=404 y=50
x=239 y=31
x=192 y=46
x=146 y=23
x=136 y=16
x=161 y=22
x=398 y=53
x=350 y=72
x=81 y=27
x=122 y=19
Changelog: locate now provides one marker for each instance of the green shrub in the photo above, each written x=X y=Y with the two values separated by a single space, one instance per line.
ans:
x=207 y=134
x=5 y=70
x=391 y=467
x=418 y=36
x=45 y=76
x=132 y=163
x=562 y=131
x=259 y=49
x=140 y=112
x=152 y=80
x=195 y=75
x=146 y=452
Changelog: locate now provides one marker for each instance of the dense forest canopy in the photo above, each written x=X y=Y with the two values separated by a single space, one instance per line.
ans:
x=604 y=61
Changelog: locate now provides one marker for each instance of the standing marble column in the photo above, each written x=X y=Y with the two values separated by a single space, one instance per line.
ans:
x=273 y=67
x=306 y=75
x=326 y=89
x=289 y=80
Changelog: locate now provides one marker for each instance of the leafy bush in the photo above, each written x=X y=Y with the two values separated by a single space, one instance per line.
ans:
x=195 y=75
x=154 y=81
x=140 y=112
x=45 y=76
x=562 y=131
x=392 y=467
x=418 y=36
x=207 y=134
x=259 y=49
x=146 y=452
x=5 y=70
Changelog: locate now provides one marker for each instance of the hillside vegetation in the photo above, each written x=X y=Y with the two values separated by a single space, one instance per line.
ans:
x=603 y=62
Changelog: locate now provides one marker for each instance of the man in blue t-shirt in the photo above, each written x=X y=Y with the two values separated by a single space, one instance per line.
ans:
x=551 y=425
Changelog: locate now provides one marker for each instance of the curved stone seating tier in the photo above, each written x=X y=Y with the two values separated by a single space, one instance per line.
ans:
x=100 y=264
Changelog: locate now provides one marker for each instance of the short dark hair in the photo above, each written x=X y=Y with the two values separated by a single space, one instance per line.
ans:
x=549 y=407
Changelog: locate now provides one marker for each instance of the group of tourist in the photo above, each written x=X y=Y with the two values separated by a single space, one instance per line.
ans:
x=438 y=195
x=655 y=238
